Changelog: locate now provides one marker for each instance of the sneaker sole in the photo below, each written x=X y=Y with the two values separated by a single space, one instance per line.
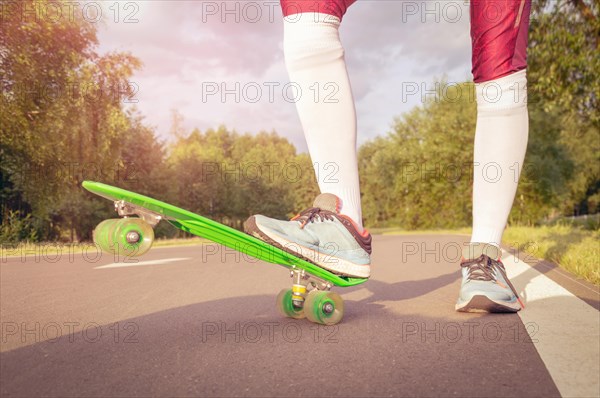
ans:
x=479 y=303
x=342 y=268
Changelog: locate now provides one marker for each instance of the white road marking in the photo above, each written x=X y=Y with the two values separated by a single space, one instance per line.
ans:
x=565 y=330
x=134 y=263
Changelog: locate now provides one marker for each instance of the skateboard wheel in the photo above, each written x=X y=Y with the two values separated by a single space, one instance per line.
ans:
x=130 y=237
x=326 y=308
x=286 y=305
x=133 y=237
x=103 y=235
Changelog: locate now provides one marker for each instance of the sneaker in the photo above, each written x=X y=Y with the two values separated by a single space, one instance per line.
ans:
x=485 y=286
x=321 y=235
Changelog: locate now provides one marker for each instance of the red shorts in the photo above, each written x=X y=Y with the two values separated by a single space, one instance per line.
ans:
x=499 y=32
x=332 y=7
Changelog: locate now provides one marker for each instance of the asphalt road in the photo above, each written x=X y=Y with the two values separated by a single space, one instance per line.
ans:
x=202 y=321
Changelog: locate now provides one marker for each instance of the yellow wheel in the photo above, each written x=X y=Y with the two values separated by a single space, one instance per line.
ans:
x=286 y=306
x=326 y=308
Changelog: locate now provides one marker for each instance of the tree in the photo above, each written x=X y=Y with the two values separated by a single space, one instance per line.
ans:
x=229 y=177
x=420 y=175
x=563 y=81
x=62 y=116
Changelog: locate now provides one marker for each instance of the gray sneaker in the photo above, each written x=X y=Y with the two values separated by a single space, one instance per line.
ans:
x=485 y=286
x=321 y=235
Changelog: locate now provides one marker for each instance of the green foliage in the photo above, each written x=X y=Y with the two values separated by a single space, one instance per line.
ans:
x=62 y=118
x=420 y=175
x=545 y=176
x=589 y=222
x=564 y=69
x=563 y=58
x=228 y=177
x=409 y=176
x=303 y=183
x=17 y=228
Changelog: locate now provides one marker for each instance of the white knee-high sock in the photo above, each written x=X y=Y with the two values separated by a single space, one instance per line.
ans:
x=500 y=144
x=314 y=58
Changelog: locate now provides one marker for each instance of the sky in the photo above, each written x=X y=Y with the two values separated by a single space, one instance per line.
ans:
x=221 y=62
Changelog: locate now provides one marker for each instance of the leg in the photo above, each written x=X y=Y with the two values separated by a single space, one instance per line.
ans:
x=314 y=58
x=329 y=233
x=499 y=37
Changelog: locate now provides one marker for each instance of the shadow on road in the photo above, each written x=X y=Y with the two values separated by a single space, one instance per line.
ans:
x=400 y=337
x=241 y=347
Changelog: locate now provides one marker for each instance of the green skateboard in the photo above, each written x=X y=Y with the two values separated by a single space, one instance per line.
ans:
x=310 y=295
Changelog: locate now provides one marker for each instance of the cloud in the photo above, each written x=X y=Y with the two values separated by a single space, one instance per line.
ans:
x=187 y=46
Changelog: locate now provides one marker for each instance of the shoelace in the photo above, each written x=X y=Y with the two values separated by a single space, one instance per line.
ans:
x=482 y=269
x=310 y=214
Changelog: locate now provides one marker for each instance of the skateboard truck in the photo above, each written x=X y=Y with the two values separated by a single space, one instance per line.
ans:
x=125 y=209
x=303 y=283
x=310 y=297
x=128 y=236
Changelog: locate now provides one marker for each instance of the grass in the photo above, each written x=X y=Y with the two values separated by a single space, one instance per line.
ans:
x=178 y=242
x=591 y=222
x=575 y=249
x=52 y=250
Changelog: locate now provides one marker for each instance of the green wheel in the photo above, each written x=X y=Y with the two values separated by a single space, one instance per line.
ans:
x=287 y=307
x=133 y=237
x=326 y=308
x=104 y=235
x=130 y=237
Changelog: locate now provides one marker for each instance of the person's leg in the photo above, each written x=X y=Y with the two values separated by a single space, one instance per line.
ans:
x=329 y=233
x=499 y=30
x=499 y=33
x=314 y=57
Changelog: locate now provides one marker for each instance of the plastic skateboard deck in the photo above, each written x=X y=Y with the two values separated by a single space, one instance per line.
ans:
x=215 y=232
